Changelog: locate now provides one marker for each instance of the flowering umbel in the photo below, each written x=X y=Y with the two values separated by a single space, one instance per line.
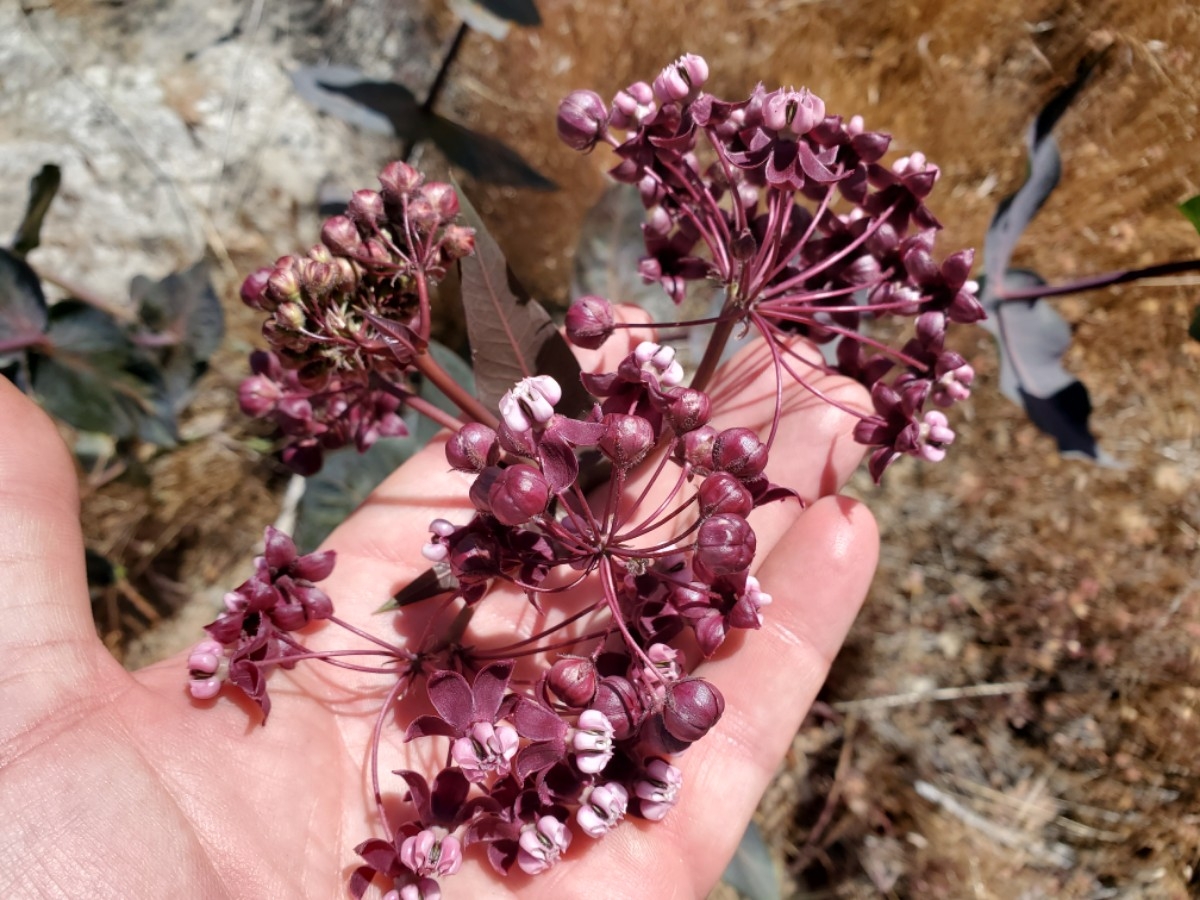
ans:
x=574 y=727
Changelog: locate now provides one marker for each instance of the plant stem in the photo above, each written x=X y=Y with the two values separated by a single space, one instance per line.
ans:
x=429 y=411
x=1093 y=282
x=453 y=391
x=716 y=345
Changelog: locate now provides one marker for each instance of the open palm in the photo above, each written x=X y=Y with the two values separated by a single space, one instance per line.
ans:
x=119 y=785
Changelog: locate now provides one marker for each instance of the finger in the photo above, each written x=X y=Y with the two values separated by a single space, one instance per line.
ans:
x=48 y=639
x=818 y=575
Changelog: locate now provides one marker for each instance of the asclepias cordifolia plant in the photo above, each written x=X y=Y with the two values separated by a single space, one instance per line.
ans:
x=605 y=498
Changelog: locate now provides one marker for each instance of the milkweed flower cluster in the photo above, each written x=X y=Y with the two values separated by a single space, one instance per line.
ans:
x=793 y=213
x=568 y=731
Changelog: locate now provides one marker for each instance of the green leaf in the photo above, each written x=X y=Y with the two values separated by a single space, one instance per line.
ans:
x=1191 y=211
x=42 y=188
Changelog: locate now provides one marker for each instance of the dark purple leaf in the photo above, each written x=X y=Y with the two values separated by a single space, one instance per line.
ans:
x=484 y=158
x=183 y=306
x=519 y=12
x=23 y=311
x=42 y=188
x=512 y=336
x=1032 y=337
x=330 y=89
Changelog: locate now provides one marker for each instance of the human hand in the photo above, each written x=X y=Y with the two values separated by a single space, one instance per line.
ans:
x=117 y=785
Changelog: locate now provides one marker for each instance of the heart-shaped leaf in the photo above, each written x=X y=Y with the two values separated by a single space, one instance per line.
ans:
x=42 y=188
x=512 y=336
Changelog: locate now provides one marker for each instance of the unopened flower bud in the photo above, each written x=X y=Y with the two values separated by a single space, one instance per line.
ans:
x=618 y=700
x=290 y=316
x=626 y=439
x=581 y=121
x=739 y=452
x=398 y=180
x=696 y=448
x=519 y=493
x=589 y=322
x=472 y=447
x=725 y=544
x=722 y=492
x=458 y=241
x=602 y=808
x=366 y=208
x=284 y=283
x=443 y=198
x=258 y=396
x=692 y=707
x=318 y=278
x=422 y=215
x=687 y=409
x=573 y=681
x=254 y=289
x=340 y=234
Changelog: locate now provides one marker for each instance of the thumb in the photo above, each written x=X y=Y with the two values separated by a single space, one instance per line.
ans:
x=47 y=639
